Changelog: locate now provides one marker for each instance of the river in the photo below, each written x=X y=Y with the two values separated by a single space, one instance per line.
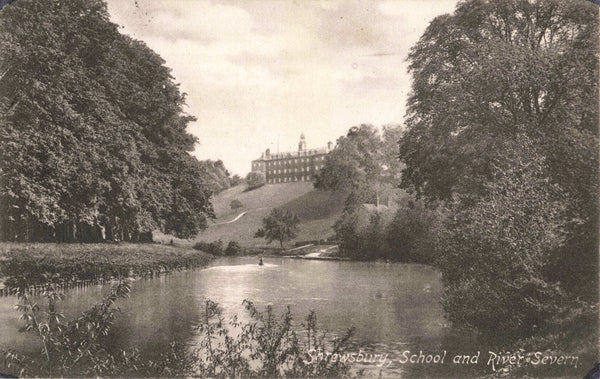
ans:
x=394 y=307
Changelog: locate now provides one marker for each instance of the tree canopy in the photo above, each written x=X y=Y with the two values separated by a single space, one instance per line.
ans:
x=502 y=130
x=279 y=226
x=494 y=70
x=93 y=134
x=363 y=163
x=255 y=179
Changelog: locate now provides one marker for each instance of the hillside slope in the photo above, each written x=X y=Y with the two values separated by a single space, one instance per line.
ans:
x=317 y=210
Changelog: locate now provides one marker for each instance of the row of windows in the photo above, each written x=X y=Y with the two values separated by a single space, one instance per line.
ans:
x=304 y=178
x=289 y=161
x=290 y=170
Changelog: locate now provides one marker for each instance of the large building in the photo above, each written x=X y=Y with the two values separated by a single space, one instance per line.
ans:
x=296 y=166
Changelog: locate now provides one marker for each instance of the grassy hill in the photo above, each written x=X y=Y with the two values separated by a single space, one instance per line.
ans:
x=317 y=211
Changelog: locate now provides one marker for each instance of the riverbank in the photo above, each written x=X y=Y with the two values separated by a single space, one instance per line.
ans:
x=38 y=264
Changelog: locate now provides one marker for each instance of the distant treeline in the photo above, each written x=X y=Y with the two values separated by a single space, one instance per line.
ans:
x=93 y=141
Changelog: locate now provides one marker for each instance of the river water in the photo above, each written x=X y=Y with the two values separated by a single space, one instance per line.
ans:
x=394 y=307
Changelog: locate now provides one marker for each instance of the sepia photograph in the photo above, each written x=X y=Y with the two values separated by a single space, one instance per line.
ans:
x=299 y=189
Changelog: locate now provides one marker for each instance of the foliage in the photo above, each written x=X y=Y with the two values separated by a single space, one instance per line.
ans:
x=255 y=180
x=265 y=346
x=93 y=135
x=214 y=247
x=233 y=248
x=361 y=233
x=409 y=234
x=235 y=204
x=502 y=130
x=506 y=239
x=217 y=176
x=69 y=347
x=279 y=226
x=362 y=164
x=236 y=180
x=491 y=71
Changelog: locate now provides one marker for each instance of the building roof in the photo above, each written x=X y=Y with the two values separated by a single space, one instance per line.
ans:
x=295 y=154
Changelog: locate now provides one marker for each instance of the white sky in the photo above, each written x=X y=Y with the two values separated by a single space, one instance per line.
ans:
x=257 y=72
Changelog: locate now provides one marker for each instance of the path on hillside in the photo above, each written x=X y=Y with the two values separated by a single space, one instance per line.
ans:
x=240 y=216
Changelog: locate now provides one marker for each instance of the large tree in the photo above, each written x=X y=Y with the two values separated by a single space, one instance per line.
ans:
x=93 y=135
x=496 y=69
x=502 y=129
x=363 y=163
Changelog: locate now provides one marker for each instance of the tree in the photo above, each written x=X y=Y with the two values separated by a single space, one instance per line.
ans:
x=216 y=175
x=236 y=180
x=255 y=180
x=278 y=226
x=507 y=240
x=93 y=141
x=361 y=232
x=362 y=164
x=491 y=71
x=236 y=204
x=498 y=71
x=233 y=248
x=409 y=234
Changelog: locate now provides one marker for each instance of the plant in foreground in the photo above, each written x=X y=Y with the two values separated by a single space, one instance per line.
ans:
x=266 y=345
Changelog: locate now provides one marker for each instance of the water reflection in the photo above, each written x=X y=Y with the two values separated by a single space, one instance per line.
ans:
x=392 y=306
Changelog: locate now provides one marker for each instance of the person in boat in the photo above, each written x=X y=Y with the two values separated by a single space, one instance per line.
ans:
x=260 y=261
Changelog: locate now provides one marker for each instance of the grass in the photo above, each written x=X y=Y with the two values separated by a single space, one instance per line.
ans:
x=318 y=211
x=40 y=263
x=267 y=196
x=316 y=205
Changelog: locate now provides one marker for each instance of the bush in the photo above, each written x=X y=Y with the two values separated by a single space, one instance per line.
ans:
x=214 y=248
x=267 y=345
x=494 y=252
x=361 y=233
x=233 y=248
x=255 y=180
x=235 y=180
x=236 y=204
x=73 y=347
x=409 y=235
x=271 y=342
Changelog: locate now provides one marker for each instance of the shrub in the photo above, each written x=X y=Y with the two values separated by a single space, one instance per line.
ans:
x=360 y=232
x=409 y=235
x=494 y=252
x=73 y=347
x=214 y=248
x=235 y=180
x=266 y=346
x=255 y=180
x=233 y=248
x=236 y=204
x=269 y=342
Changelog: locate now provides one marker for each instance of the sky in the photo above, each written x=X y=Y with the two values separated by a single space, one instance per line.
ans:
x=258 y=73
